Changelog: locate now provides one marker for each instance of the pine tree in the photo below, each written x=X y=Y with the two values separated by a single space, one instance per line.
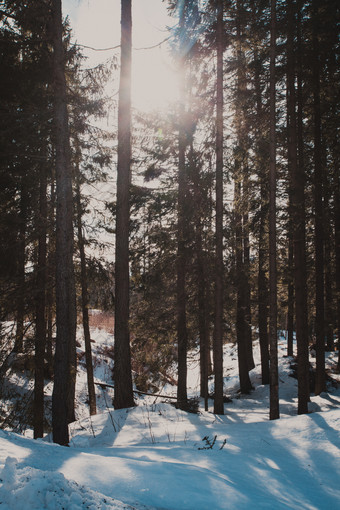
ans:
x=295 y=160
x=320 y=381
x=65 y=354
x=219 y=269
x=274 y=379
x=122 y=368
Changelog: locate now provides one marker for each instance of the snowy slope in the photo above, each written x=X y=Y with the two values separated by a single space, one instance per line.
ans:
x=157 y=457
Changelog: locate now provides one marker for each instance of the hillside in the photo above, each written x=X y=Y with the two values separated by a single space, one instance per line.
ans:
x=155 y=456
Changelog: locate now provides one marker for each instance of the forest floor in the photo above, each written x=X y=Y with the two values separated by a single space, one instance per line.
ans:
x=155 y=456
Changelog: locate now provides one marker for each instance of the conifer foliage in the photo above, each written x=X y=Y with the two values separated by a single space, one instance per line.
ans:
x=226 y=210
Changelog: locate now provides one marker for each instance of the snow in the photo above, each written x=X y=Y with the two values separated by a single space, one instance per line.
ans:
x=155 y=456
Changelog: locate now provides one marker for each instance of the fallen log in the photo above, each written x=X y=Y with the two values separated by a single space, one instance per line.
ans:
x=105 y=385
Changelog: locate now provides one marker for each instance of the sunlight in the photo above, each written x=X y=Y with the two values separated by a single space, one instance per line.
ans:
x=154 y=80
x=97 y=24
x=154 y=77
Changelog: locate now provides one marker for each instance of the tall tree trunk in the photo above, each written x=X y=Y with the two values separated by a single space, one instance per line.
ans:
x=182 y=334
x=292 y=155
x=21 y=257
x=203 y=316
x=65 y=355
x=240 y=163
x=263 y=297
x=219 y=269
x=337 y=244
x=298 y=223
x=245 y=384
x=291 y=293
x=40 y=334
x=263 y=227
x=85 y=301
x=50 y=300
x=274 y=376
x=328 y=253
x=122 y=369
x=246 y=265
x=320 y=379
x=336 y=159
x=203 y=319
x=329 y=299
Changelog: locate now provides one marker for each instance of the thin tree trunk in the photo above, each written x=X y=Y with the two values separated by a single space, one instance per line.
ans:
x=298 y=224
x=122 y=369
x=203 y=322
x=21 y=257
x=241 y=283
x=328 y=267
x=263 y=227
x=182 y=334
x=274 y=376
x=337 y=245
x=291 y=161
x=65 y=355
x=203 y=316
x=291 y=294
x=247 y=290
x=85 y=301
x=219 y=269
x=50 y=280
x=263 y=301
x=245 y=384
x=320 y=379
x=40 y=334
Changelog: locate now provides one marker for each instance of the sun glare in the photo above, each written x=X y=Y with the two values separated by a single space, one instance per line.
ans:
x=154 y=80
x=96 y=23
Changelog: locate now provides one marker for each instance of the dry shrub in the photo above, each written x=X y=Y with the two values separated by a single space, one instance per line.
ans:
x=102 y=320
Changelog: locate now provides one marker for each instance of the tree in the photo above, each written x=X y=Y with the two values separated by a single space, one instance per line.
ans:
x=122 y=369
x=243 y=331
x=182 y=334
x=262 y=171
x=185 y=38
x=84 y=295
x=65 y=354
x=219 y=269
x=320 y=380
x=296 y=163
x=41 y=278
x=274 y=378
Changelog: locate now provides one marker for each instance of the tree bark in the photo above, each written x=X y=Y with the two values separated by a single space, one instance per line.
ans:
x=21 y=257
x=262 y=281
x=85 y=301
x=320 y=379
x=182 y=334
x=337 y=244
x=40 y=334
x=274 y=376
x=50 y=299
x=65 y=355
x=242 y=332
x=123 y=396
x=246 y=266
x=203 y=315
x=219 y=268
x=298 y=222
x=291 y=293
x=245 y=384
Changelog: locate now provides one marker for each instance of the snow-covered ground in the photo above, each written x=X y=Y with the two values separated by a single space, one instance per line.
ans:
x=157 y=457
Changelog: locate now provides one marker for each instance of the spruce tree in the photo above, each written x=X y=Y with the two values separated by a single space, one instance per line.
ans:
x=122 y=369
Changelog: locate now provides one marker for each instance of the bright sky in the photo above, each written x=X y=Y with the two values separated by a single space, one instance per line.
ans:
x=96 y=23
